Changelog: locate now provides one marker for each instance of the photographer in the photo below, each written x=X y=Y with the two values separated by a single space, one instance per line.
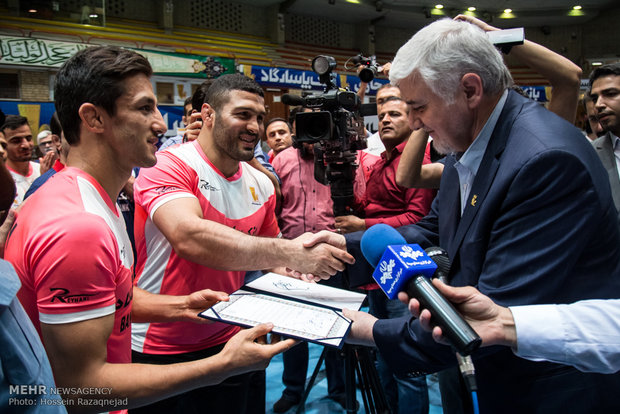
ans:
x=307 y=206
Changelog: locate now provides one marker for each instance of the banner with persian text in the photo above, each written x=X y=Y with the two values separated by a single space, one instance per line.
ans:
x=304 y=79
x=51 y=53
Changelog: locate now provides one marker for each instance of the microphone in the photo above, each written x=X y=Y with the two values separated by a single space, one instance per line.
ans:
x=407 y=267
x=293 y=100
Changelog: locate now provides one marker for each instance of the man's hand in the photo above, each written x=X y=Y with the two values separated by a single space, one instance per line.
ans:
x=492 y=322
x=385 y=69
x=151 y=307
x=249 y=351
x=349 y=224
x=361 y=328
x=193 y=129
x=47 y=161
x=483 y=25
x=321 y=255
x=199 y=301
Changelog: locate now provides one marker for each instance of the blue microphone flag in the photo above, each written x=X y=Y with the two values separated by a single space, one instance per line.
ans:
x=399 y=264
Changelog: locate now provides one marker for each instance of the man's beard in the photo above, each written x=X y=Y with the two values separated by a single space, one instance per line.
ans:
x=230 y=145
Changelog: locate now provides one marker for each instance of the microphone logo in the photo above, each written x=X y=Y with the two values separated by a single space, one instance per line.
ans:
x=408 y=253
x=386 y=270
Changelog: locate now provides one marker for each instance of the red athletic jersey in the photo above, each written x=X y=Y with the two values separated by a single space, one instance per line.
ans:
x=71 y=251
x=245 y=201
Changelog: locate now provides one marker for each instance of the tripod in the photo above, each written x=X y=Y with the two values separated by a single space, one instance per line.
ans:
x=358 y=360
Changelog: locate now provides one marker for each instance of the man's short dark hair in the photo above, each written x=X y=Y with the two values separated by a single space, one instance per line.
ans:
x=55 y=126
x=272 y=120
x=95 y=75
x=218 y=93
x=199 y=96
x=386 y=86
x=605 y=70
x=13 y=122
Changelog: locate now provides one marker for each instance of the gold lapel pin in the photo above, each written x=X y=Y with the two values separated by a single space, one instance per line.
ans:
x=474 y=199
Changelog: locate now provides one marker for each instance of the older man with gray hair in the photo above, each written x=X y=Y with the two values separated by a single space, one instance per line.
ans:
x=525 y=213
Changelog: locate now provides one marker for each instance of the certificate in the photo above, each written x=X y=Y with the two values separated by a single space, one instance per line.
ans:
x=297 y=309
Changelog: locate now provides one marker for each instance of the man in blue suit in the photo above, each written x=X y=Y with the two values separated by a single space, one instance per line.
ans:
x=525 y=212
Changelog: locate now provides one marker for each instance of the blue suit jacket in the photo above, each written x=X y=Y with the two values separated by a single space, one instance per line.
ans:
x=539 y=226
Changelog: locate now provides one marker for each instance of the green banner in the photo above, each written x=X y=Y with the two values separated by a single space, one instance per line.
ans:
x=50 y=53
x=36 y=52
x=182 y=64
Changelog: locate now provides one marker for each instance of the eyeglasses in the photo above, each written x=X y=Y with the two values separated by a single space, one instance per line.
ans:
x=53 y=141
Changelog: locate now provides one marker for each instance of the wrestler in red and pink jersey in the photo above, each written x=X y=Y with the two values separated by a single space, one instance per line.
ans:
x=62 y=282
x=244 y=201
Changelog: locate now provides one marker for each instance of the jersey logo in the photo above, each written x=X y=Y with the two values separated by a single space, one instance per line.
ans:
x=254 y=196
x=166 y=189
x=204 y=184
x=63 y=296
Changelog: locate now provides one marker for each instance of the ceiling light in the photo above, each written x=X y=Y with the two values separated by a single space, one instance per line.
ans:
x=93 y=15
x=353 y=1
x=596 y=63
x=576 y=11
x=32 y=11
x=472 y=8
x=507 y=14
x=439 y=6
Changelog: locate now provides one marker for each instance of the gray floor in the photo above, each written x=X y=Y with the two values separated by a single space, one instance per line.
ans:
x=317 y=402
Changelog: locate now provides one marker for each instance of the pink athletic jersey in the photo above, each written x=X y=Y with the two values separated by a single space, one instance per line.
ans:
x=71 y=251
x=245 y=202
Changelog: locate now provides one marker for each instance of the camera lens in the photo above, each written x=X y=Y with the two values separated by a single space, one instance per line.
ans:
x=368 y=73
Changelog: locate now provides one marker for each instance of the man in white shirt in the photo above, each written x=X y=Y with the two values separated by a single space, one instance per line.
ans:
x=19 y=154
x=584 y=334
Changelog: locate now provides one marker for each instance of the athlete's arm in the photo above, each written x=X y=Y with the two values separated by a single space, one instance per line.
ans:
x=149 y=307
x=563 y=75
x=77 y=352
x=411 y=172
x=220 y=247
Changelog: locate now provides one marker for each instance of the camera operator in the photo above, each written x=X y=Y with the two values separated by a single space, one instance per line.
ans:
x=307 y=206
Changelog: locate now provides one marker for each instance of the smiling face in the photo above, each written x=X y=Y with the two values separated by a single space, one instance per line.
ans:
x=448 y=125
x=136 y=124
x=19 y=143
x=236 y=128
x=605 y=94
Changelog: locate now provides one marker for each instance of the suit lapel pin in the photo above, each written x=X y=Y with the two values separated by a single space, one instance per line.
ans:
x=474 y=199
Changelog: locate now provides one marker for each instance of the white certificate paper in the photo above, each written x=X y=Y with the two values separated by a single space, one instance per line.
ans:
x=297 y=309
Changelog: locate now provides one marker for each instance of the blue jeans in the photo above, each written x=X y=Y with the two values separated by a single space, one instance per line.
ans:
x=404 y=395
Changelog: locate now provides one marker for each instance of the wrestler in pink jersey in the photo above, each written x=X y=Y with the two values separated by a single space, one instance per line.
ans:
x=73 y=257
x=201 y=211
